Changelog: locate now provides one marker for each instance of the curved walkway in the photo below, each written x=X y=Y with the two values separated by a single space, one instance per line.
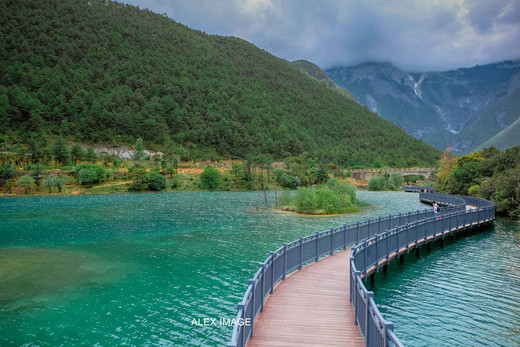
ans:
x=310 y=308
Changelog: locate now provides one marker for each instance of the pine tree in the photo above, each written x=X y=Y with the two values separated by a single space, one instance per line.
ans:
x=60 y=151
x=90 y=155
x=139 y=150
x=76 y=153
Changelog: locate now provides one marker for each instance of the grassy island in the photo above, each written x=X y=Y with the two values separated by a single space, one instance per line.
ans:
x=334 y=197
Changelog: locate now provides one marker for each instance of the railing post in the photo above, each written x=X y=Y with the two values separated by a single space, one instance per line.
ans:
x=242 y=306
x=331 y=241
x=317 y=246
x=345 y=234
x=379 y=232
x=357 y=231
x=301 y=252
x=416 y=234
x=370 y=295
x=284 y=260
x=252 y=284
x=262 y=287
x=387 y=246
x=356 y=275
x=272 y=272
x=365 y=253
x=387 y=327
x=377 y=252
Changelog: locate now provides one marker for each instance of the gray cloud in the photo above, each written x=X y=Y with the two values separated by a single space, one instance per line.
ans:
x=413 y=35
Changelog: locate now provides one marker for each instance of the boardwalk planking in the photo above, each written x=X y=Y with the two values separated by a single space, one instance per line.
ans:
x=310 y=308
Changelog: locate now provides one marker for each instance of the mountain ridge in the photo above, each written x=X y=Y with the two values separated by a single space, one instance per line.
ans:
x=105 y=72
x=459 y=108
x=315 y=72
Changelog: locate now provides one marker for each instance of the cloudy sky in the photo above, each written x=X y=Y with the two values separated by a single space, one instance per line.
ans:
x=414 y=35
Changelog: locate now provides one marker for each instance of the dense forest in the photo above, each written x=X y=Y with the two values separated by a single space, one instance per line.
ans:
x=489 y=174
x=99 y=71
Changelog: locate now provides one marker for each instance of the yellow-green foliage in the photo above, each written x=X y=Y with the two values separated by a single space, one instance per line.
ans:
x=466 y=172
x=492 y=175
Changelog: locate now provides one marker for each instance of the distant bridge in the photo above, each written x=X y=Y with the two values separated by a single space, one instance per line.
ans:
x=365 y=174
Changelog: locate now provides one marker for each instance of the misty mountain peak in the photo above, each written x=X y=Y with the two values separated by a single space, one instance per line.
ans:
x=461 y=108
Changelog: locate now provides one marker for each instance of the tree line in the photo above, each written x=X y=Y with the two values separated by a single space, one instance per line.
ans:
x=490 y=174
x=102 y=72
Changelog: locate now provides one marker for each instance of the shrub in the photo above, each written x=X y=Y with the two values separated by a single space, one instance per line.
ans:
x=100 y=173
x=473 y=190
x=155 y=181
x=377 y=183
x=7 y=171
x=87 y=176
x=343 y=188
x=288 y=181
x=50 y=182
x=210 y=178
x=285 y=198
x=330 y=199
x=176 y=182
x=137 y=173
x=26 y=182
x=396 y=179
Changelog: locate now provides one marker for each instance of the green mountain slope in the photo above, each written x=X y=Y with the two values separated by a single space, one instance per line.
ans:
x=318 y=74
x=507 y=138
x=100 y=71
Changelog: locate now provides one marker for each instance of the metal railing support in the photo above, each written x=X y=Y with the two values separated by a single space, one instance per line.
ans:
x=455 y=217
x=317 y=246
x=284 y=260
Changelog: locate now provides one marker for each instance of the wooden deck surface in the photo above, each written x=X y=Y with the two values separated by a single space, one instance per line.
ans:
x=310 y=308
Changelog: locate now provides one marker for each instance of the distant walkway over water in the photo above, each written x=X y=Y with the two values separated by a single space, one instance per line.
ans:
x=326 y=303
x=366 y=174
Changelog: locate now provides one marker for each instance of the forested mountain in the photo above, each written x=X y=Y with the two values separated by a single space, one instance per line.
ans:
x=102 y=72
x=461 y=109
x=319 y=75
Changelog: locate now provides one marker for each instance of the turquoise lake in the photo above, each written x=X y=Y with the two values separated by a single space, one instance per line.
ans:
x=137 y=269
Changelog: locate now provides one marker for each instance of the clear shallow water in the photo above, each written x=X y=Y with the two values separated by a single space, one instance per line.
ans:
x=137 y=269
x=466 y=293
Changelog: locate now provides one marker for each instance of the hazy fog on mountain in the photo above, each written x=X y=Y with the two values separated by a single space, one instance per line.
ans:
x=463 y=108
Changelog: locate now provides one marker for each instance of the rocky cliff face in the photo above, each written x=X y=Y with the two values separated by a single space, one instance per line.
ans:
x=461 y=109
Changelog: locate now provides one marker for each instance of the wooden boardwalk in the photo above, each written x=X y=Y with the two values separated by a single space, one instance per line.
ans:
x=310 y=308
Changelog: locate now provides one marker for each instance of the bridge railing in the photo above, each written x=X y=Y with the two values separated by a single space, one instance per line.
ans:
x=294 y=255
x=417 y=189
x=377 y=251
